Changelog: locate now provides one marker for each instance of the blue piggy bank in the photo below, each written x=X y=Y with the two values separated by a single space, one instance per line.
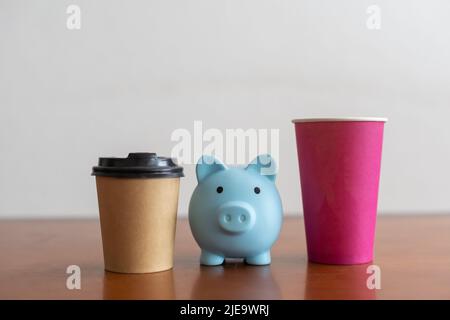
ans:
x=235 y=212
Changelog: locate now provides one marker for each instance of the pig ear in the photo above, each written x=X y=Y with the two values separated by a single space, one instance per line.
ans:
x=207 y=165
x=264 y=165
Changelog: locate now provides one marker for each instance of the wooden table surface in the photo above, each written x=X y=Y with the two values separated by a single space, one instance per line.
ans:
x=413 y=253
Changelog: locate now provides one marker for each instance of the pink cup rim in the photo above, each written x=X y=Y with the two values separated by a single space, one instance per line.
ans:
x=373 y=119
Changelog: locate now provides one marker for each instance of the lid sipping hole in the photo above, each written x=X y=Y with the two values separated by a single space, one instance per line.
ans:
x=141 y=155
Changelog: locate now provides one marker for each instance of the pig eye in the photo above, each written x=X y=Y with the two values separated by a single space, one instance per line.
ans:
x=219 y=189
x=257 y=190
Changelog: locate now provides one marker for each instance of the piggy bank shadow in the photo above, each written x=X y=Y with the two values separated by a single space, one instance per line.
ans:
x=343 y=282
x=153 y=286
x=235 y=281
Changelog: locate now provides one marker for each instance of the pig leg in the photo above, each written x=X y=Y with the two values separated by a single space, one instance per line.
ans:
x=210 y=259
x=260 y=259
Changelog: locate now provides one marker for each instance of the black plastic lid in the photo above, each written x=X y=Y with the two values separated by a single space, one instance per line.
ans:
x=138 y=165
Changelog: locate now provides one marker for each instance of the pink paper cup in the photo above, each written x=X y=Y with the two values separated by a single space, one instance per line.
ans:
x=339 y=162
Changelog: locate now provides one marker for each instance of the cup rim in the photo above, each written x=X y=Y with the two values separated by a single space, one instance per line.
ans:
x=341 y=119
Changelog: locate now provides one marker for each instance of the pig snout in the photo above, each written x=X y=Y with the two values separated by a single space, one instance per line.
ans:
x=236 y=216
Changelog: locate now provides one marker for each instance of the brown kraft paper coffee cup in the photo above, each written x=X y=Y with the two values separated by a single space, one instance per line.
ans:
x=138 y=201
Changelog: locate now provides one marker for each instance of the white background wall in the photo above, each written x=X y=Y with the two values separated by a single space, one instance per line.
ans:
x=137 y=70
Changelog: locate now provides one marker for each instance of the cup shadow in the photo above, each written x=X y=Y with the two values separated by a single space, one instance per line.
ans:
x=342 y=282
x=235 y=281
x=153 y=286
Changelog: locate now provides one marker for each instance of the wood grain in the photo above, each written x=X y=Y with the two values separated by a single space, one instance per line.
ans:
x=413 y=253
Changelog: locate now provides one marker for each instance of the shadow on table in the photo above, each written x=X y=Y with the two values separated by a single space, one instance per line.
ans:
x=158 y=286
x=337 y=282
x=235 y=281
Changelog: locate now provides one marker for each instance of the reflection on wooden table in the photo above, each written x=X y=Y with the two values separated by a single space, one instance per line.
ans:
x=413 y=253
